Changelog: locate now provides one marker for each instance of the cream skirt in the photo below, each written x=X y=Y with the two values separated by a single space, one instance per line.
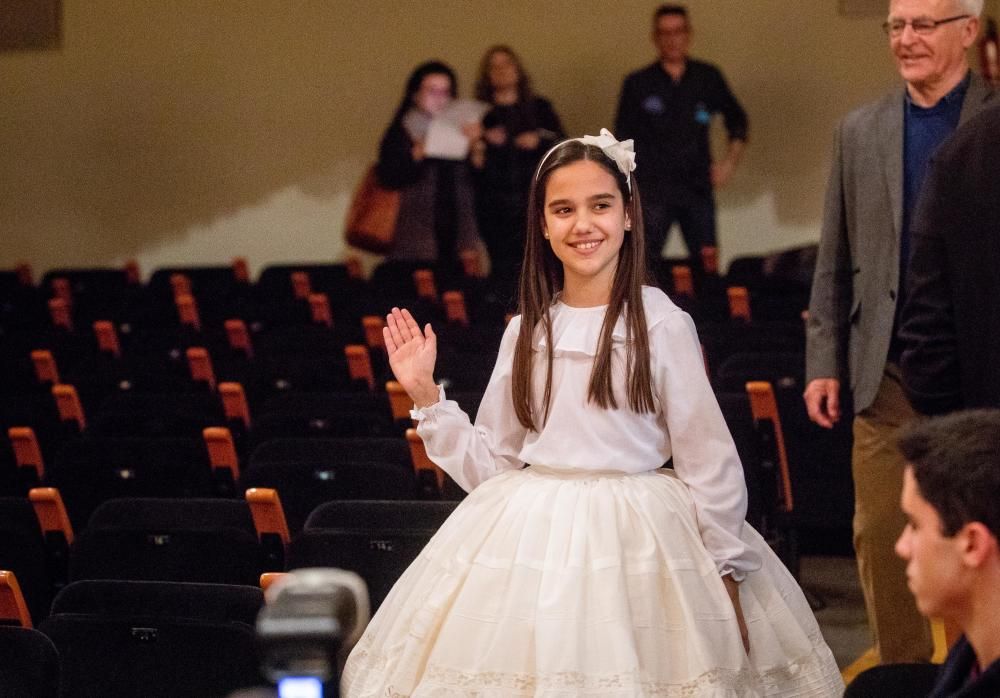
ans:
x=567 y=583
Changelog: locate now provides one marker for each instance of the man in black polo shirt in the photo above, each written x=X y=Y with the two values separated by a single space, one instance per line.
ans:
x=667 y=108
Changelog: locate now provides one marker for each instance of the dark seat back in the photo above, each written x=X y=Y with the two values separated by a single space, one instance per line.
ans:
x=819 y=459
x=761 y=483
x=93 y=470
x=381 y=514
x=201 y=540
x=309 y=472
x=323 y=415
x=30 y=666
x=157 y=415
x=154 y=639
x=378 y=556
x=218 y=603
x=376 y=539
x=23 y=552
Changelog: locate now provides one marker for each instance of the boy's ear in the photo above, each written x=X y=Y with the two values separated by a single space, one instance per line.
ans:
x=978 y=543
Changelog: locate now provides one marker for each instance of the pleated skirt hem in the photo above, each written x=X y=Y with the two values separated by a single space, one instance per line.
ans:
x=554 y=584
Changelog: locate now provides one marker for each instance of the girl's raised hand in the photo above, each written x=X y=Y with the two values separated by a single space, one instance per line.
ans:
x=412 y=354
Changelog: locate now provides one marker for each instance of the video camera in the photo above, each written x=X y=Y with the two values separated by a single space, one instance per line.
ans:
x=311 y=620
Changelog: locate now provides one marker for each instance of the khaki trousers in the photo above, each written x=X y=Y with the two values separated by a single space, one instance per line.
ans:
x=901 y=633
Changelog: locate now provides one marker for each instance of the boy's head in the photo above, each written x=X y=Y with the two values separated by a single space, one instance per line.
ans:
x=951 y=490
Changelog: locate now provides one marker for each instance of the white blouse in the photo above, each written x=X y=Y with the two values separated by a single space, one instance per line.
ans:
x=686 y=425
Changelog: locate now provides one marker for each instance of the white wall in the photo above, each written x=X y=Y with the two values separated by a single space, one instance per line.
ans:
x=185 y=131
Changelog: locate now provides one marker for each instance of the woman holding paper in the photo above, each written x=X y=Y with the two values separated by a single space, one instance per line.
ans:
x=420 y=157
x=518 y=129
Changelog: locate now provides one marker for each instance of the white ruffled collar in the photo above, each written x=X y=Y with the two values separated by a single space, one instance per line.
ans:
x=577 y=330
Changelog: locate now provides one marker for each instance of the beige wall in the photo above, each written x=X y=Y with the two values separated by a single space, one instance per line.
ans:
x=186 y=131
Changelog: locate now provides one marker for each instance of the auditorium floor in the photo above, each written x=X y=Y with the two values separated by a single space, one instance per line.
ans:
x=834 y=580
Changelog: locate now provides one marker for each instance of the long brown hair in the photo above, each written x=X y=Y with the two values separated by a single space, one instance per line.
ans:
x=542 y=279
x=484 y=88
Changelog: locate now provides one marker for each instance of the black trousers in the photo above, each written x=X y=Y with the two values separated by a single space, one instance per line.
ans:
x=695 y=216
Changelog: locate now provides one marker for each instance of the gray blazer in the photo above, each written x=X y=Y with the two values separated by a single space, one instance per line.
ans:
x=853 y=299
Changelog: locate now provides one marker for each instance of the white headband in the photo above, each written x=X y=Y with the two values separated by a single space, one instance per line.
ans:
x=621 y=152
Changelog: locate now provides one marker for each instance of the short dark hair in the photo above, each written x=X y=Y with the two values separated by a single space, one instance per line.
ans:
x=956 y=463
x=668 y=9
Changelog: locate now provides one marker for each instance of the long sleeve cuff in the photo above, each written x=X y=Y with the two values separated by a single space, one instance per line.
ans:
x=731 y=553
x=421 y=413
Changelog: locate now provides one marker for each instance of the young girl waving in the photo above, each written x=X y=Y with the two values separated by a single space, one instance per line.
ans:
x=594 y=571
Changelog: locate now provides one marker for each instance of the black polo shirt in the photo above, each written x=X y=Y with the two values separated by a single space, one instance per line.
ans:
x=669 y=122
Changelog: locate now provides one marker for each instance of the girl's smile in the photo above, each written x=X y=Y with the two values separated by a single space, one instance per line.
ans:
x=585 y=221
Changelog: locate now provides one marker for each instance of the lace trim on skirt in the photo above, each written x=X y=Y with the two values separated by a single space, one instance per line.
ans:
x=797 y=678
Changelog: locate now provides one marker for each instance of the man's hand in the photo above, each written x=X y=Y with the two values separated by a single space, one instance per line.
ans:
x=822 y=398
x=722 y=172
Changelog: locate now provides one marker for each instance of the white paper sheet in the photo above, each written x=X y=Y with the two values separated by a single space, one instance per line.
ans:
x=445 y=139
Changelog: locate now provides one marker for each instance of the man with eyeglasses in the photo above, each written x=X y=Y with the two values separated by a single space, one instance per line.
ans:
x=667 y=108
x=880 y=155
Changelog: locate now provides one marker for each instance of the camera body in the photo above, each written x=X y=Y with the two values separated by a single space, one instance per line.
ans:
x=311 y=620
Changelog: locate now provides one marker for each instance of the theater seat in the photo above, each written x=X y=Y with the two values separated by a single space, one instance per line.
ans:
x=195 y=540
x=154 y=639
x=22 y=551
x=377 y=539
x=30 y=666
x=308 y=472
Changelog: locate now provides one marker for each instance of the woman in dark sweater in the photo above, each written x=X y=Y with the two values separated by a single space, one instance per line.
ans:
x=517 y=131
x=437 y=211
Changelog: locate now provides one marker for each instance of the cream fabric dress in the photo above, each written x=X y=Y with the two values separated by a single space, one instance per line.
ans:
x=593 y=572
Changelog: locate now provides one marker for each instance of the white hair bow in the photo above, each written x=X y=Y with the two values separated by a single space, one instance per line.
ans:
x=622 y=152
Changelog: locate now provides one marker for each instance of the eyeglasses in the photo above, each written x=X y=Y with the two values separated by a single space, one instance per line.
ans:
x=921 y=25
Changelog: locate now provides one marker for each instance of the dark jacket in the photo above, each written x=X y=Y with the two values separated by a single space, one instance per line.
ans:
x=953 y=680
x=853 y=302
x=950 y=326
x=507 y=171
x=437 y=215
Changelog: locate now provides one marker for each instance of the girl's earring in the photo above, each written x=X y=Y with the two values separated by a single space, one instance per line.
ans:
x=546 y=235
